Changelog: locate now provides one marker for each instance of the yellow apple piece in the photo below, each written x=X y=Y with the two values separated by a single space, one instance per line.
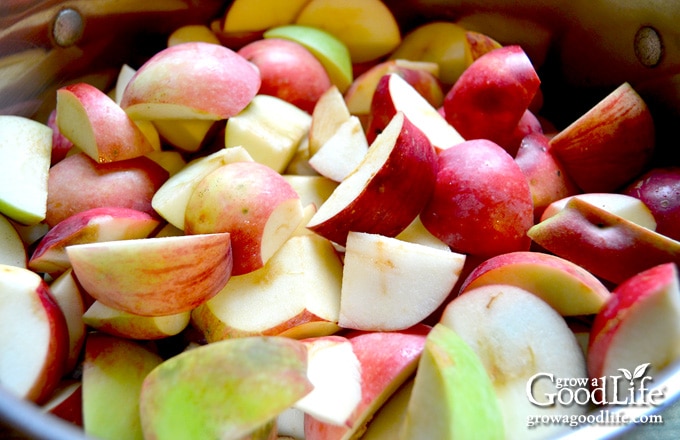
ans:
x=25 y=154
x=33 y=335
x=269 y=129
x=417 y=233
x=329 y=50
x=379 y=282
x=441 y=42
x=295 y=294
x=258 y=15
x=367 y=27
x=192 y=32
x=170 y=200
x=387 y=421
x=171 y=161
x=113 y=372
x=154 y=276
x=12 y=248
x=97 y=125
x=191 y=81
x=187 y=135
x=250 y=201
x=226 y=389
x=567 y=287
x=127 y=325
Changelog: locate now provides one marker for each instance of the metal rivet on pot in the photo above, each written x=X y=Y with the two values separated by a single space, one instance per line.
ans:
x=67 y=28
x=648 y=46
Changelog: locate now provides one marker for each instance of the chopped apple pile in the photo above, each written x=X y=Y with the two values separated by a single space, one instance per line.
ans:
x=301 y=221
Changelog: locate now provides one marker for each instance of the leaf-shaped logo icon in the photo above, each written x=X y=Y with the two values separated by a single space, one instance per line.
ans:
x=640 y=371
x=627 y=374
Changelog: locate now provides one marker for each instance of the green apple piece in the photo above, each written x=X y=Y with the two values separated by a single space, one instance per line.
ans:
x=12 y=247
x=269 y=129
x=25 y=154
x=113 y=372
x=452 y=395
x=170 y=201
x=331 y=52
x=225 y=390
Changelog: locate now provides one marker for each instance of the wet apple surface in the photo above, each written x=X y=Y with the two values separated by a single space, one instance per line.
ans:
x=318 y=220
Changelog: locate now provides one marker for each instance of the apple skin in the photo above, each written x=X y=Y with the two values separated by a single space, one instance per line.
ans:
x=482 y=203
x=97 y=125
x=154 y=276
x=607 y=245
x=288 y=71
x=244 y=198
x=639 y=324
x=96 y=224
x=493 y=93
x=66 y=402
x=610 y=144
x=659 y=189
x=407 y=174
x=191 y=81
x=547 y=178
x=78 y=183
x=60 y=144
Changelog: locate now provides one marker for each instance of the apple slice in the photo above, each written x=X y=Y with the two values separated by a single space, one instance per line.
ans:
x=171 y=161
x=311 y=189
x=417 y=233
x=269 y=129
x=658 y=189
x=452 y=395
x=66 y=402
x=25 y=156
x=367 y=27
x=186 y=135
x=154 y=276
x=329 y=50
x=13 y=251
x=388 y=360
x=90 y=226
x=191 y=81
x=259 y=15
x=335 y=372
x=97 y=125
x=505 y=74
x=394 y=94
x=33 y=335
x=387 y=190
x=441 y=42
x=296 y=294
x=639 y=325
x=125 y=73
x=170 y=201
x=329 y=113
x=605 y=244
x=253 y=203
x=226 y=389
x=387 y=421
x=481 y=204
x=127 y=325
x=378 y=284
x=518 y=335
x=113 y=371
x=610 y=144
x=192 y=32
x=69 y=298
x=341 y=153
x=422 y=75
x=625 y=206
x=567 y=287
